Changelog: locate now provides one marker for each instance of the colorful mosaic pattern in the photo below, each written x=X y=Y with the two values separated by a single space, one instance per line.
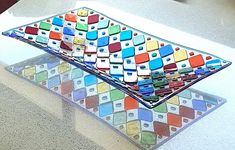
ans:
x=147 y=128
x=147 y=68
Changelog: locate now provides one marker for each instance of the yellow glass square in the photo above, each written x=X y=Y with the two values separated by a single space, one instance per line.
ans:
x=174 y=100
x=133 y=127
x=180 y=55
x=172 y=76
x=102 y=87
x=82 y=13
x=78 y=41
x=151 y=45
x=63 y=67
x=29 y=71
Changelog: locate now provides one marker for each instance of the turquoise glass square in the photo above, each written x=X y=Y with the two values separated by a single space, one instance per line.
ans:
x=125 y=35
x=103 y=24
x=138 y=40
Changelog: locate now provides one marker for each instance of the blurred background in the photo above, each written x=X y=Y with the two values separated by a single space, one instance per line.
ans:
x=210 y=19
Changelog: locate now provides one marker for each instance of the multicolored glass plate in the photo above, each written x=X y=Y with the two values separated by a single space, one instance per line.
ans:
x=148 y=68
x=147 y=128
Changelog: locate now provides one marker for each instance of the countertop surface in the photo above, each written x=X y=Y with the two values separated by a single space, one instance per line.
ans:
x=29 y=115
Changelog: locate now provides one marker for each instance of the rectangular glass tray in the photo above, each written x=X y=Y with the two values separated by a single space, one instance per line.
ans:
x=146 y=67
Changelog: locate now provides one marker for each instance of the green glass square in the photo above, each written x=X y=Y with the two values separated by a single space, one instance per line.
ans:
x=41 y=76
x=114 y=29
x=162 y=108
x=81 y=26
x=119 y=118
x=116 y=95
x=148 y=138
x=77 y=73
x=42 y=40
x=185 y=94
x=45 y=26
x=210 y=100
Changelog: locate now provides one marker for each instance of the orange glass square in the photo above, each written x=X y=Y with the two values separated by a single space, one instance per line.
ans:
x=130 y=103
x=70 y=17
x=174 y=120
x=55 y=35
x=196 y=61
x=141 y=58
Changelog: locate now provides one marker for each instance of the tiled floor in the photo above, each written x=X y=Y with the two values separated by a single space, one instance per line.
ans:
x=23 y=125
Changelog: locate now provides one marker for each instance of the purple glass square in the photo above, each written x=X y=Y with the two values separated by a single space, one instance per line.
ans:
x=79 y=94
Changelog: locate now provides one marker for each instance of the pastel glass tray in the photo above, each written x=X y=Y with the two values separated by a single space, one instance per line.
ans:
x=147 y=128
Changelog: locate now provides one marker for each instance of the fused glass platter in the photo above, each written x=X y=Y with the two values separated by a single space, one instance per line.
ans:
x=147 y=128
x=148 y=68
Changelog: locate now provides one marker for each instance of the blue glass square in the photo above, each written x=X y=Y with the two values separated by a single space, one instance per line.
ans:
x=128 y=52
x=138 y=40
x=69 y=31
x=146 y=90
x=201 y=71
x=105 y=109
x=199 y=105
x=90 y=80
x=144 y=82
x=214 y=64
x=51 y=65
x=103 y=24
x=79 y=94
x=54 y=82
x=144 y=114
x=125 y=35
x=17 y=69
x=155 y=64
x=166 y=50
x=103 y=41
x=58 y=21
x=92 y=35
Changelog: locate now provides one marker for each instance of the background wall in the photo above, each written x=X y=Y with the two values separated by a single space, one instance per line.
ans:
x=210 y=19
